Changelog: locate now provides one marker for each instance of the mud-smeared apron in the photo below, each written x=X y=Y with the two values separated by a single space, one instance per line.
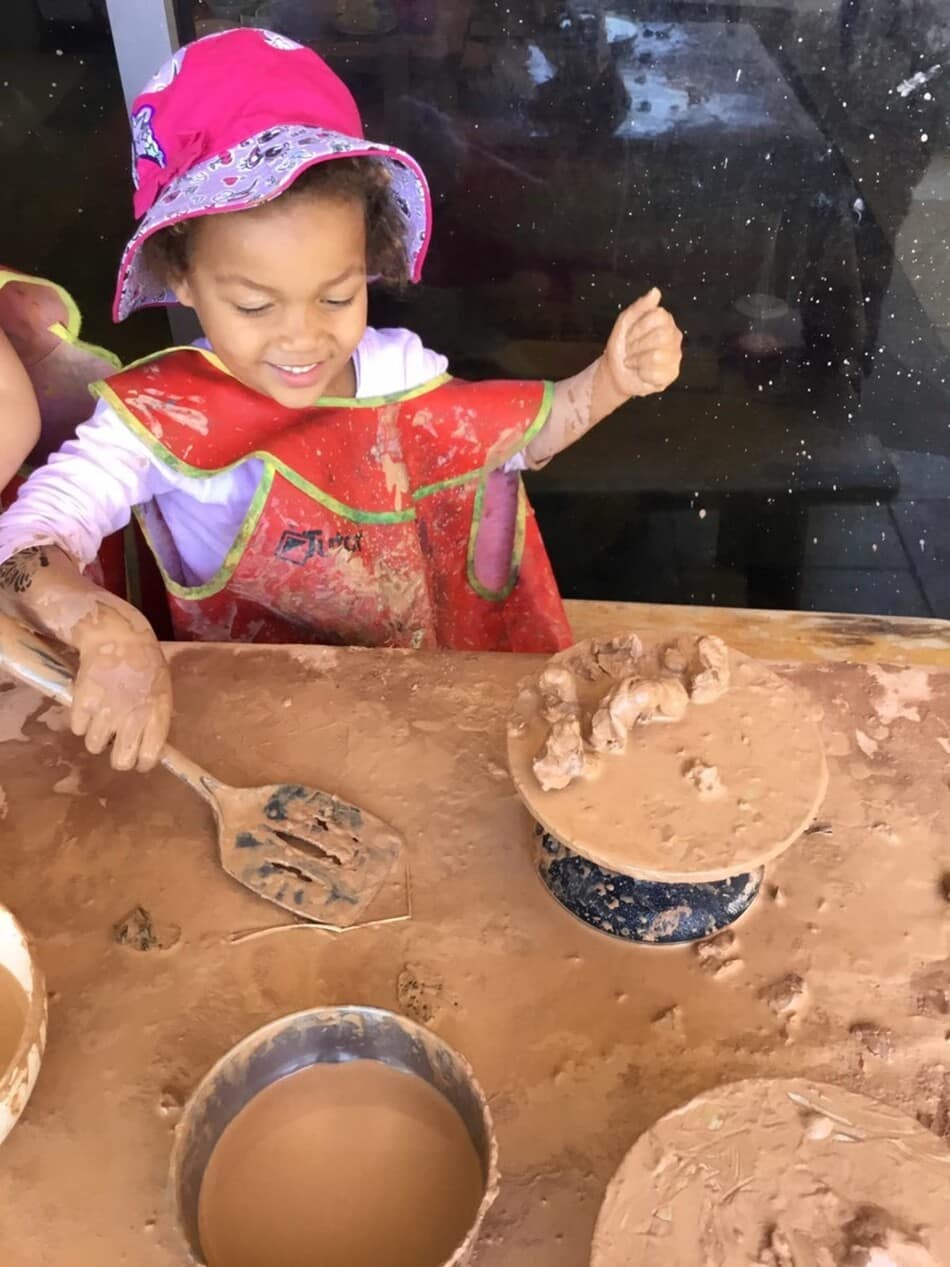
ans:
x=365 y=525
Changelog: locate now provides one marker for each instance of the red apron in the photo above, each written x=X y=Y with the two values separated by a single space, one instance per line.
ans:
x=42 y=323
x=363 y=529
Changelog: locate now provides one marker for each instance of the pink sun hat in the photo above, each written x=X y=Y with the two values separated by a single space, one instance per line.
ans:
x=230 y=122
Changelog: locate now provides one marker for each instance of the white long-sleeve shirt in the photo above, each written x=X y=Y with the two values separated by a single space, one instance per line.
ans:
x=88 y=488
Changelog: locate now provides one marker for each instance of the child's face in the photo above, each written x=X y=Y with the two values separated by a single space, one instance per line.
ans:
x=280 y=292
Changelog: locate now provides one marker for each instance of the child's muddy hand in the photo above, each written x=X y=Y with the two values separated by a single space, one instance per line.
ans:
x=644 y=350
x=123 y=692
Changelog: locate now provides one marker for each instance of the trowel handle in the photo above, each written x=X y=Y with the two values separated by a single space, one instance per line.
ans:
x=34 y=661
x=197 y=778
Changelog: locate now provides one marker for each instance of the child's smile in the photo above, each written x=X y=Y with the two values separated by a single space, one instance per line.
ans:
x=281 y=295
x=298 y=376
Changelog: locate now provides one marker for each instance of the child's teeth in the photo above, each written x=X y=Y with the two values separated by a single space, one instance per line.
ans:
x=299 y=369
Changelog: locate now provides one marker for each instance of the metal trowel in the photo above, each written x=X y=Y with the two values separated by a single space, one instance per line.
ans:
x=305 y=850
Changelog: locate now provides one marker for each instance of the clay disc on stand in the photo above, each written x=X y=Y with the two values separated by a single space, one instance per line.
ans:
x=766 y=1173
x=721 y=791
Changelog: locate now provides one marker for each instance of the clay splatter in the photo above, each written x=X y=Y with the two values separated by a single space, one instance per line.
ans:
x=901 y=690
x=17 y=706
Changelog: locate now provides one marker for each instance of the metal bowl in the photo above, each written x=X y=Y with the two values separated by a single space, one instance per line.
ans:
x=324 y=1035
x=18 y=1079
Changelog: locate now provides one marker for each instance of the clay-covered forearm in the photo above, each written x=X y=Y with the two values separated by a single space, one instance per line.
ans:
x=43 y=587
x=579 y=404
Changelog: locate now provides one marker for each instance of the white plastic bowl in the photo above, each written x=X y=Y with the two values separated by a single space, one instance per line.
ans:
x=18 y=1079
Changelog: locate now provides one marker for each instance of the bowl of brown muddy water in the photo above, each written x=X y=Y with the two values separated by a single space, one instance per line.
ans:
x=22 y=1021
x=336 y=1137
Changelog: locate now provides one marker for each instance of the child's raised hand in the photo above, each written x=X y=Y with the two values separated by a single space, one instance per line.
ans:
x=644 y=350
x=642 y=356
x=123 y=689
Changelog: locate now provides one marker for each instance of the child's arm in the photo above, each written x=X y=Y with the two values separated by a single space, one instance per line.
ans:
x=642 y=356
x=123 y=691
x=19 y=412
x=55 y=527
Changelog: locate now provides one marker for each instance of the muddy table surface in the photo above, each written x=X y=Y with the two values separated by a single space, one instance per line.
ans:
x=840 y=971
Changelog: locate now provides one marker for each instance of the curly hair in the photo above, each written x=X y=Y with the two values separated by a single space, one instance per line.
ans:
x=361 y=180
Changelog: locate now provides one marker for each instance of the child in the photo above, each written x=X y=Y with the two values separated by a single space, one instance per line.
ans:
x=301 y=477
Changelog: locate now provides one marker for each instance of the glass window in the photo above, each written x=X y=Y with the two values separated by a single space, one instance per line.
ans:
x=782 y=171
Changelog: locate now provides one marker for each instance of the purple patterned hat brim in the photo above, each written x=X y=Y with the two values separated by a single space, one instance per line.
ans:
x=256 y=171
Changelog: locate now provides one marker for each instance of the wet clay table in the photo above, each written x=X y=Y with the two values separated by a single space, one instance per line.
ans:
x=840 y=973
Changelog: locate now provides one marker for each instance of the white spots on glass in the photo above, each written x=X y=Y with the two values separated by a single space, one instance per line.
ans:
x=907 y=86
